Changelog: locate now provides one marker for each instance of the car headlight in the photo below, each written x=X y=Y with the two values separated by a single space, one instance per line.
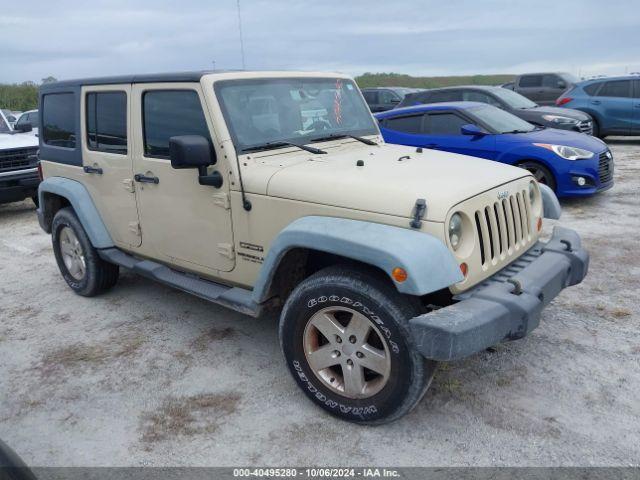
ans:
x=455 y=230
x=560 y=120
x=568 y=153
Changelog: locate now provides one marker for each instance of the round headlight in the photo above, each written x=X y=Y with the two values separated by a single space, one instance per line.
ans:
x=532 y=192
x=455 y=230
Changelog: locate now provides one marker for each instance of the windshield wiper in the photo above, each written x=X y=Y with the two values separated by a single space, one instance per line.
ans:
x=518 y=131
x=270 y=145
x=335 y=136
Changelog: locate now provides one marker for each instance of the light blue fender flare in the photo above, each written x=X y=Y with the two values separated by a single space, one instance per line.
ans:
x=550 y=204
x=428 y=262
x=82 y=204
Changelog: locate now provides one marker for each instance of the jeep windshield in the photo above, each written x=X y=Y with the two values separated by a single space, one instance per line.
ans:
x=271 y=112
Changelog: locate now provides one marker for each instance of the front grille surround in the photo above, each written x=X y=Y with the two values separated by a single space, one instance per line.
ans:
x=586 y=126
x=16 y=158
x=501 y=224
x=605 y=168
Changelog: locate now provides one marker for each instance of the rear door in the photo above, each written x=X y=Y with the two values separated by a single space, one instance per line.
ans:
x=183 y=223
x=107 y=159
x=635 y=123
x=531 y=87
x=614 y=100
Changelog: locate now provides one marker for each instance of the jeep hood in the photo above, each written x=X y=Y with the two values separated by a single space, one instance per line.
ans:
x=392 y=178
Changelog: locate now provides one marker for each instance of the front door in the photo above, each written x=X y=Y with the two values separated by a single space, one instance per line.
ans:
x=107 y=160
x=635 y=126
x=182 y=222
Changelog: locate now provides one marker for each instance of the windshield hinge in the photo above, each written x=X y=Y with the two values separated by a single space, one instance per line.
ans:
x=221 y=200
x=419 y=209
x=134 y=227
x=226 y=250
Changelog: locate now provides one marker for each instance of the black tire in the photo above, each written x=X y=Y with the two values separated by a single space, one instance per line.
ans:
x=35 y=200
x=98 y=275
x=542 y=173
x=371 y=295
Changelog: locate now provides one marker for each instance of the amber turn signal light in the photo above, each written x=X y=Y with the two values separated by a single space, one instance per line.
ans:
x=399 y=274
x=464 y=268
x=539 y=224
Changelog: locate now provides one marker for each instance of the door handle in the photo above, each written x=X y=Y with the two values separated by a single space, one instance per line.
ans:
x=138 y=177
x=637 y=105
x=96 y=170
x=596 y=102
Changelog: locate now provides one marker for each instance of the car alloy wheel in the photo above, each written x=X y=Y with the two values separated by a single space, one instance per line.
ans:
x=347 y=352
x=72 y=254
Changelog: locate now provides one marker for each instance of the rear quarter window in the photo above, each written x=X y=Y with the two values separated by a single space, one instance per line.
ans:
x=592 y=89
x=59 y=120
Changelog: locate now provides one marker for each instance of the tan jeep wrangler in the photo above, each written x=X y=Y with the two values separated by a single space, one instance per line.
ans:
x=275 y=189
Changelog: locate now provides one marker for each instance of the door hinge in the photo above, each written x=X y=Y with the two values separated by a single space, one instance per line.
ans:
x=134 y=227
x=226 y=249
x=221 y=200
x=128 y=185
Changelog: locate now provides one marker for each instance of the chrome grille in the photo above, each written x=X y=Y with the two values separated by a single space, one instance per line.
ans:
x=585 y=127
x=605 y=167
x=16 y=158
x=503 y=227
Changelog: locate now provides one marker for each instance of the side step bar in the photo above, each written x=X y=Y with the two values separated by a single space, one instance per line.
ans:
x=235 y=298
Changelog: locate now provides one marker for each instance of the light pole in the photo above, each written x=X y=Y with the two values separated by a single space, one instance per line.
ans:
x=240 y=31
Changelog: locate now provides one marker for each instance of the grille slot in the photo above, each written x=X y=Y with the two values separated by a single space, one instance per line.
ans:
x=16 y=158
x=605 y=168
x=503 y=227
x=585 y=127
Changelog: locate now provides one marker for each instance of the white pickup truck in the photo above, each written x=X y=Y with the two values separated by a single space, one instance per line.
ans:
x=18 y=164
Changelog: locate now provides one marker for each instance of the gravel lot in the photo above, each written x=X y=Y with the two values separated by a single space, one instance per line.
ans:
x=146 y=375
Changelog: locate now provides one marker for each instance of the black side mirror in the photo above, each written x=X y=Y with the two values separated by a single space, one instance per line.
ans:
x=394 y=101
x=194 y=151
x=562 y=84
x=24 y=128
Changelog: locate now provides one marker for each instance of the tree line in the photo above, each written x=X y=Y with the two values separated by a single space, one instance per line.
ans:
x=402 y=80
x=21 y=96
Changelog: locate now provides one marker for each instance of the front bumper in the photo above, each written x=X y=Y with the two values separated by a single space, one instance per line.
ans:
x=506 y=306
x=16 y=185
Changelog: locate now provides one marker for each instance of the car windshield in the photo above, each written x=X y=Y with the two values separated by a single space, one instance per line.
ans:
x=4 y=128
x=513 y=99
x=296 y=110
x=500 y=121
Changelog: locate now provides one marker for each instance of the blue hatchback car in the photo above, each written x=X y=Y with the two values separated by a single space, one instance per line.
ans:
x=572 y=164
x=613 y=103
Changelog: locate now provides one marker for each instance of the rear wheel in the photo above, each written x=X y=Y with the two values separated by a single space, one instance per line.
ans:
x=345 y=336
x=541 y=173
x=79 y=263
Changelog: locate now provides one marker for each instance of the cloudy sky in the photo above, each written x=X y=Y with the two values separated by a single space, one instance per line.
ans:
x=67 y=39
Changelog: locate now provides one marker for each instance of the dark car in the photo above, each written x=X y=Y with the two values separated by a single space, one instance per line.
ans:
x=512 y=102
x=381 y=99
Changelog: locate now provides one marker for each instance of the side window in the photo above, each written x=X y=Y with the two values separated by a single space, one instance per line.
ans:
x=592 y=89
x=618 y=88
x=59 y=120
x=34 y=120
x=169 y=113
x=473 y=96
x=370 y=97
x=445 y=124
x=387 y=97
x=445 y=96
x=636 y=86
x=106 y=114
x=551 y=81
x=408 y=124
x=530 y=81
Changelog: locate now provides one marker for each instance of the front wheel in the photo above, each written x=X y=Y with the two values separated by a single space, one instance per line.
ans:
x=346 y=340
x=540 y=173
